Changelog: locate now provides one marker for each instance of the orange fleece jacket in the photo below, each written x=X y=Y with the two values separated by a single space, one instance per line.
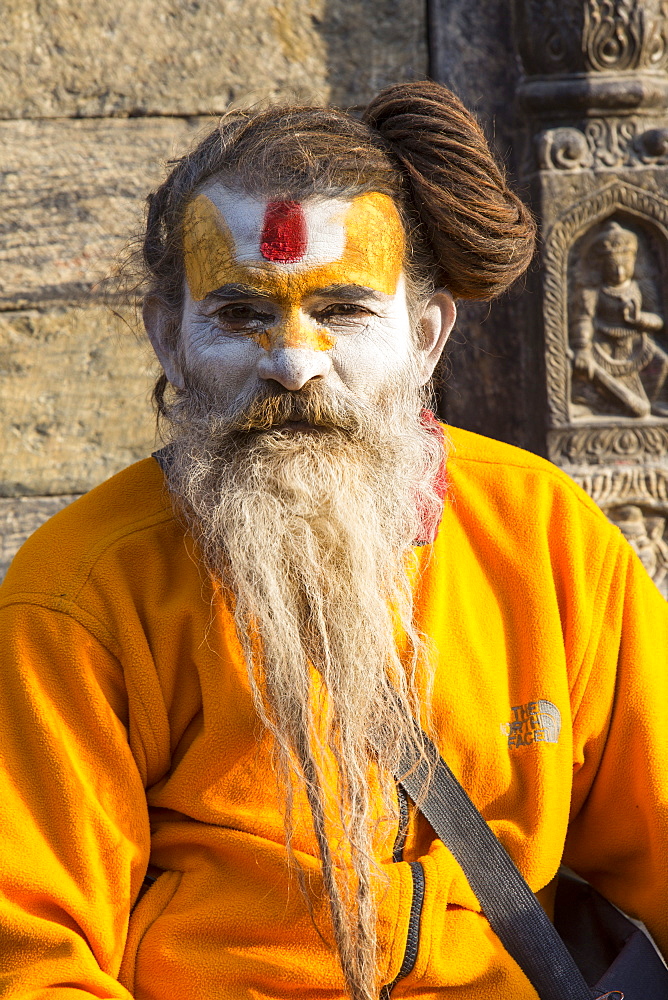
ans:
x=127 y=733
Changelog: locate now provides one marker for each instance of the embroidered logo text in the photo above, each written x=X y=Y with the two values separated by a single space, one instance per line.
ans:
x=536 y=722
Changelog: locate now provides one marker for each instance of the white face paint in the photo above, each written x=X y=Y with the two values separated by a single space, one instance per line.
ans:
x=292 y=292
x=370 y=337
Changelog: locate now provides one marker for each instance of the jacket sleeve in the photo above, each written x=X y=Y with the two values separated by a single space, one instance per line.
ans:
x=73 y=814
x=618 y=835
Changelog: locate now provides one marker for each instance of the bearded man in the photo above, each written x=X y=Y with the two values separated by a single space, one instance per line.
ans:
x=216 y=661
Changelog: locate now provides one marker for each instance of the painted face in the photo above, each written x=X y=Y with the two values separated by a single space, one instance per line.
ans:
x=291 y=291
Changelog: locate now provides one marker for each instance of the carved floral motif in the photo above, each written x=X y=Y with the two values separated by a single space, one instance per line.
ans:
x=610 y=485
x=613 y=34
x=613 y=142
x=605 y=143
x=594 y=445
x=575 y=36
x=563 y=149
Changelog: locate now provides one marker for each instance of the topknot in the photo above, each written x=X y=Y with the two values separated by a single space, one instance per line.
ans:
x=482 y=236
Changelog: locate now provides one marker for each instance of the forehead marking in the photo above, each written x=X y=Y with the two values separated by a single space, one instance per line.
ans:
x=283 y=232
x=371 y=253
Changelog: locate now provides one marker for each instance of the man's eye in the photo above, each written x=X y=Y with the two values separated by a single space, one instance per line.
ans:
x=243 y=315
x=346 y=310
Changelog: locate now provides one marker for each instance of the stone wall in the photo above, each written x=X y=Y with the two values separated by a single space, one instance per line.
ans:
x=95 y=96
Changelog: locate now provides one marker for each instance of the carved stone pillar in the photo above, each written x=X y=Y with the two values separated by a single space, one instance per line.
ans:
x=595 y=104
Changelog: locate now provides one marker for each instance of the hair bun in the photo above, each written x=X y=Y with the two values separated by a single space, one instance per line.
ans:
x=481 y=234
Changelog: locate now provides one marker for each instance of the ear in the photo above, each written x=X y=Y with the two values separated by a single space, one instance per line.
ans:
x=159 y=321
x=436 y=322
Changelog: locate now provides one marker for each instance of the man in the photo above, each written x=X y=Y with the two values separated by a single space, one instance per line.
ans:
x=216 y=660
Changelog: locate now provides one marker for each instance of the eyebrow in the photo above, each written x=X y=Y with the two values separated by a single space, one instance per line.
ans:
x=349 y=293
x=238 y=291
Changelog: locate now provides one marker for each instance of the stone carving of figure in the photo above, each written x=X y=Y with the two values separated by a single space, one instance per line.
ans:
x=645 y=534
x=612 y=346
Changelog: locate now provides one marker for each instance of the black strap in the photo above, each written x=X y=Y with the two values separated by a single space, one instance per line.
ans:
x=514 y=913
x=163 y=457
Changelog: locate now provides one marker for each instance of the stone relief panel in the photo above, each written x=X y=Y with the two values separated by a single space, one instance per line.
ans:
x=595 y=97
x=572 y=266
x=617 y=324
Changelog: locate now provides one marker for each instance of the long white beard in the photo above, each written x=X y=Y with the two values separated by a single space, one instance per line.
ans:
x=312 y=531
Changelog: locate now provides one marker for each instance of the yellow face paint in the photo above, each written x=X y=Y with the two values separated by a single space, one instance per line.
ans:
x=374 y=253
x=372 y=257
x=208 y=248
x=295 y=332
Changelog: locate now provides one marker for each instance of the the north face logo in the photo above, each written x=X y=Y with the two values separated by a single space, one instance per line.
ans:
x=536 y=722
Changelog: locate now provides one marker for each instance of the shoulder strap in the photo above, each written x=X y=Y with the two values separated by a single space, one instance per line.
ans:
x=514 y=913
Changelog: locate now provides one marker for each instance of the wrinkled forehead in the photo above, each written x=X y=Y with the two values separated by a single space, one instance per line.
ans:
x=233 y=237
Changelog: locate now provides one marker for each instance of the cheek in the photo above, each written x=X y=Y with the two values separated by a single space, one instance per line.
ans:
x=369 y=359
x=228 y=361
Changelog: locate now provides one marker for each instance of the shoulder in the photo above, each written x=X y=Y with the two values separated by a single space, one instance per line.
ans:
x=521 y=503
x=514 y=471
x=522 y=541
x=59 y=557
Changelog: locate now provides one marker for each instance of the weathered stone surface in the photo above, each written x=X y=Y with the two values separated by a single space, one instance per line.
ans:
x=370 y=44
x=596 y=161
x=19 y=517
x=74 y=400
x=155 y=56
x=71 y=193
x=473 y=53
x=92 y=59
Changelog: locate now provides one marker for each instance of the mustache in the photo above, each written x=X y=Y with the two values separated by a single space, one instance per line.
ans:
x=315 y=404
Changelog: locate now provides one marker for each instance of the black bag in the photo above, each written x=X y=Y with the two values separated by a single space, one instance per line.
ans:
x=607 y=947
x=603 y=954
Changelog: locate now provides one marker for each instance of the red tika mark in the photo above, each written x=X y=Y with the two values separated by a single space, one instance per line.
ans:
x=284 y=231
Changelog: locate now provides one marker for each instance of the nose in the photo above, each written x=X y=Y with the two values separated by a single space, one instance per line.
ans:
x=293 y=367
